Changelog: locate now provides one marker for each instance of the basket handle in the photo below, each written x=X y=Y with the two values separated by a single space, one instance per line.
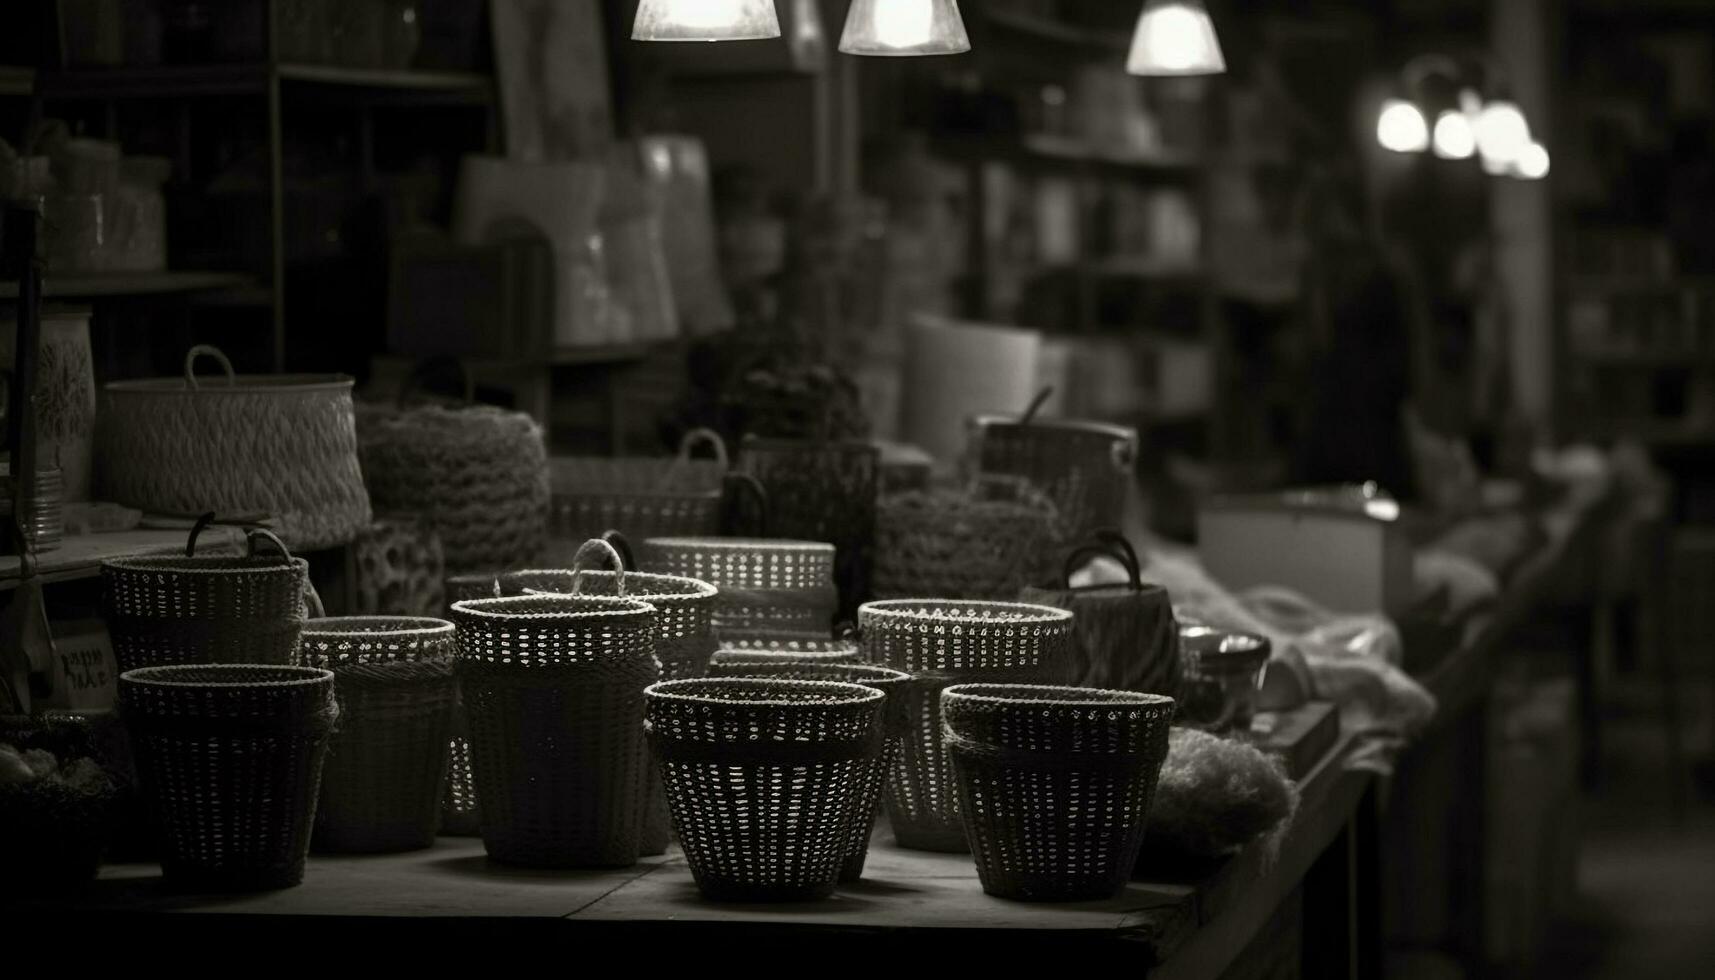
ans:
x=428 y=368
x=1115 y=540
x=1084 y=552
x=209 y=350
x=704 y=436
x=196 y=531
x=1036 y=404
x=744 y=483
x=618 y=540
x=269 y=537
x=594 y=546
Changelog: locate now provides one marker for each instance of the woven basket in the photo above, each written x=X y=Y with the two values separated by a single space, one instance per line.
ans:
x=281 y=445
x=895 y=723
x=1125 y=636
x=764 y=779
x=963 y=544
x=230 y=757
x=822 y=491
x=641 y=497
x=400 y=569
x=477 y=475
x=207 y=610
x=1054 y=784
x=939 y=643
x=387 y=764
x=458 y=805
x=1084 y=467
x=784 y=648
x=553 y=696
x=766 y=584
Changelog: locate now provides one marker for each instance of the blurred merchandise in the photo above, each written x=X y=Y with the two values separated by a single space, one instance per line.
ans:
x=93 y=32
x=676 y=168
x=137 y=216
x=957 y=370
x=64 y=399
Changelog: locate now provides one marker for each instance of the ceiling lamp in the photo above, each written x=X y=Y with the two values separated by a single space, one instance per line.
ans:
x=1402 y=128
x=1532 y=163
x=705 y=20
x=1502 y=132
x=1453 y=138
x=1175 y=37
x=904 y=27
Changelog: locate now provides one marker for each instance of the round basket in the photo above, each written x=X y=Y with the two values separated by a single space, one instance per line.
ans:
x=944 y=642
x=1084 y=467
x=207 y=610
x=959 y=545
x=553 y=697
x=282 y=445
x=387 y=763
x=641 y=497
x=1054 y=784
x=478 y=475
x=895 y=723
x=764 y=778
x=766 y=584
x=230 y=757
x=785 y=648
x=822 y=491
x=1124 y=636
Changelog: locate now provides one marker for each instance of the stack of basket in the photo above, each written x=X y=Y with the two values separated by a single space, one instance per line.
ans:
x=768 y=586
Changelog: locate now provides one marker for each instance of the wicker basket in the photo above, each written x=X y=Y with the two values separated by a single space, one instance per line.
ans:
x=1125 y=636
x=939 y=643
x=282 y=445
x=641 y=497
x=387 y=764
x=766 y=584
x=207 y=610
x=784 y=648
x=553 y=696
x=895 y=723
x=230 y=757
x=764 y=778
x=1084 y=467
x=964 y=544
x=1054 y=784
x=822 y=491
x=400 y=569
x=478 y=475
x=458 y=806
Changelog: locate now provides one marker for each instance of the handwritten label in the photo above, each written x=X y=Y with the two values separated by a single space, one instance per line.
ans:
x=86 y=675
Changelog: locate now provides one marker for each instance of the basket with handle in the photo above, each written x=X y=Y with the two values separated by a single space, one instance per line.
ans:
x=1054 y=784
x=553 y=697
x=1084 y=467
x=281 y=445
x=1125 y=636
x=766 y=584
x=822 y=490
x=895 y=723
x=764 y=778
x=204 y=609
x=639 y=496
x=230 y=757
x=941 y=642
x=983 y=542
x=387 y=764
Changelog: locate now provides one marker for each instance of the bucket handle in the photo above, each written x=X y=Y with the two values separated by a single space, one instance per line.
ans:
x=745 y=483
x=694 y=438
x=312 y=599
x=1120 y=552
x=200 y=526
x=596 y=546
x=208 y=350
x=620 y=544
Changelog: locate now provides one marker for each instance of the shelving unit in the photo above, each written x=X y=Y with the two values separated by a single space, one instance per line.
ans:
x=94 y=285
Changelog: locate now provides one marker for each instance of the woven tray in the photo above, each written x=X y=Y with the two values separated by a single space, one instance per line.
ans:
x=766 y=584
x=764 y=779
x=386 y=767
x=1054 y=784
x=940 y=643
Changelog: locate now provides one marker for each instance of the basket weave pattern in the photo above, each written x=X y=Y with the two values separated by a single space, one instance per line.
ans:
x=1085 y=468
x=202 y=610
x=553 y=696
x=950 y=545
x=230 y=758
x=758 y=649
x=1125 y=638
x=763 y=778
x=1054 y=784
x=822 y=491
x=765 y=584
x=386 y=766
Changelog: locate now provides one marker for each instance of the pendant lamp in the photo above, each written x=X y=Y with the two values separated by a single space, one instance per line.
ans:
x=904 y=27
x=705 y=20
x=1175 y=37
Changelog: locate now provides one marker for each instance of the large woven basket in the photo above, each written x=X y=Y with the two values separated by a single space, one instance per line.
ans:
x=478 y=475
x=822 y=491
x=1084 y=467
x=963 y=544
x=939 y=643
x=764 y=778
x=895 y=723
x=280 y=445
x=205 y=609
x=639 y=496
x=1125 y=636
x=1054 y=784
x=230 y=757
x=553 y=697
x=766 y=584
x=387 y=763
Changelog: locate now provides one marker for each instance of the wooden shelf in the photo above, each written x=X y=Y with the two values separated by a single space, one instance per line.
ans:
x=80 y=556
x=17 y=80
x=241 y=79
x=92 y=285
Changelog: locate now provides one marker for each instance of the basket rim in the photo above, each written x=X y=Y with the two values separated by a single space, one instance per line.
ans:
x=695 y=588
x=405 y=626
x=290 y=676
x=1252 y=649
x=913 y=611
x=1089 y=426
x=1052 y=696
x=496 y=610
x=855 y=694
x=879 y=673
x=188 y=564
x=242 y=384
x=730 y=543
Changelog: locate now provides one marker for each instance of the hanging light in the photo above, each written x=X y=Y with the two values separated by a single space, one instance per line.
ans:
x=1402 y=128
x=904 y=27
x=1502 y=132
x=1175 y=37
x=1453 y=137
x=1532 y=163
x=705 y=20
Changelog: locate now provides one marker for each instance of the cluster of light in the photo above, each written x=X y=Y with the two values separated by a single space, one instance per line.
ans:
x=1495 y=132
x=1453 y=139
x=1402 y=128
x=1175 y=37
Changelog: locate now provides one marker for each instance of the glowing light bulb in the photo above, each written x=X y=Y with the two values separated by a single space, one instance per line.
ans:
x=705 y=20
x=1453 y=137
x=904 y=27
x=1532 y=163
x=1402 y=128
x=1502 y=132
x=1175 y=37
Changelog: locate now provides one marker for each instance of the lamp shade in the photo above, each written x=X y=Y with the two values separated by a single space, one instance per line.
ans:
x=1401 y=127
x=705 y=20
x=1175 y=37
x=904 y=27
x=1453 y=138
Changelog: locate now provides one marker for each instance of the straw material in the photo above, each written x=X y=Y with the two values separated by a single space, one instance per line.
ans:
x=766 y=584
x=939 y=643
x=955 y=545
x=230 y=757
x=553 y=695
x=1054 y=784
x=1084 y=467
x=204 y=610
x=763 y=779
x=387 y=764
